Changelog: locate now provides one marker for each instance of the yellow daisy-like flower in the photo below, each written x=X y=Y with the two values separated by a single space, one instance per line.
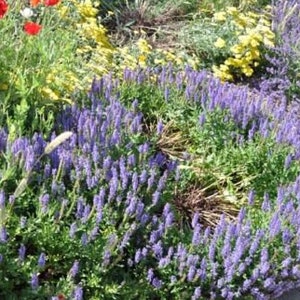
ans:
x=223 y=76
x=142 y=60
x=232 y=10
x=143 y=46
x=237 y=49
x=248 y=71
x=63 y=11
x=220 y=43
x=220 y=16
x=50 y=94
x=224 y=68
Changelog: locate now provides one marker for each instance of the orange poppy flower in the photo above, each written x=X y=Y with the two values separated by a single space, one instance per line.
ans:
x=34 y=3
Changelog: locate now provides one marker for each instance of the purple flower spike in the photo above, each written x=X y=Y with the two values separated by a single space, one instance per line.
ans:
x=157 y=283
x=150 y=275
x=155 y=197
x=191 y=274
x=251 y=197
x=196 y=235
x=275 y=225
x=73 y=229
x=75 y=268
x=42 y=260
x=138 y=256
x=86 y=213
x=160 y=127
x=34 y=281
x=197 y=293
x=44 y=200
x=78 y=293
x=22 y=252
x=84 y=239
x=202 y=119
x=2 y=199
x=266 y=206
x=288 y=161
x=195 y=219
x=3 y=235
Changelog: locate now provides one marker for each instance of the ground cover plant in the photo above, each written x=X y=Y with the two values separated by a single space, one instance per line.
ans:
x=130 y=168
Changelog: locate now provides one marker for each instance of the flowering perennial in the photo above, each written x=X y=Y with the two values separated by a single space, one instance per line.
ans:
x=99 y=196
x=252 y=32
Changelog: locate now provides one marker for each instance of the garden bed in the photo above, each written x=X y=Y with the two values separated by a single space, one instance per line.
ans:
x=143 y=170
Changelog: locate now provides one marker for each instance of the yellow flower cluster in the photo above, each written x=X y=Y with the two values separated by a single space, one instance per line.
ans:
x=95 y=51
x=142 y=54
x=87 y=9
x=94 y=38
x=60 y=84
x=252 y=32
x=98 y=56
x=144 y=49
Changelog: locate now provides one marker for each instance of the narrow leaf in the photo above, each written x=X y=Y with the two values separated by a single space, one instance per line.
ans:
x=21 y=187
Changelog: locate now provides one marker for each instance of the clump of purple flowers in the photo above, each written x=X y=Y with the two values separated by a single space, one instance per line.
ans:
x=97 y=216
x=282 y=76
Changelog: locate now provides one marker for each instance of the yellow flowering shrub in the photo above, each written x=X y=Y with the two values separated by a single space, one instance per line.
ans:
x=251 y=35
x=98 y=56
x=93 y=54
x=140 y=54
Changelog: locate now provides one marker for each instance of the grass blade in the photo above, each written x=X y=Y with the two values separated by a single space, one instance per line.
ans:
x=57 y=141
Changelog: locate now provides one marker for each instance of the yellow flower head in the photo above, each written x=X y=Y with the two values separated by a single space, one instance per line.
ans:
x=237 y=49
x=50 y=94
x=143 y=46
x=248 y=71
x=220 y=43
x=220 y=16
x=86 y=9
x=232 y=10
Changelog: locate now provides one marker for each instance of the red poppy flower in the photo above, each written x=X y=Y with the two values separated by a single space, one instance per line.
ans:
x=32 y=28
x=51 y=2
x=3 y=8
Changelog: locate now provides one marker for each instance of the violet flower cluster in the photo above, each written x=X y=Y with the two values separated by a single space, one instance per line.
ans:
x=282 y=76
x=107 y=192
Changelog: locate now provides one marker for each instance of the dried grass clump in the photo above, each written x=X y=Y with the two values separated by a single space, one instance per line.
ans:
x=210 y=200
x=210 y=206
x=172 y=142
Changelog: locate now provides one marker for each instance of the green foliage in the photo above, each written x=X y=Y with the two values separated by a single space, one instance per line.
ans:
x=153 y=102
x=258 y=163
x=220 y=147
x=25 y=63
